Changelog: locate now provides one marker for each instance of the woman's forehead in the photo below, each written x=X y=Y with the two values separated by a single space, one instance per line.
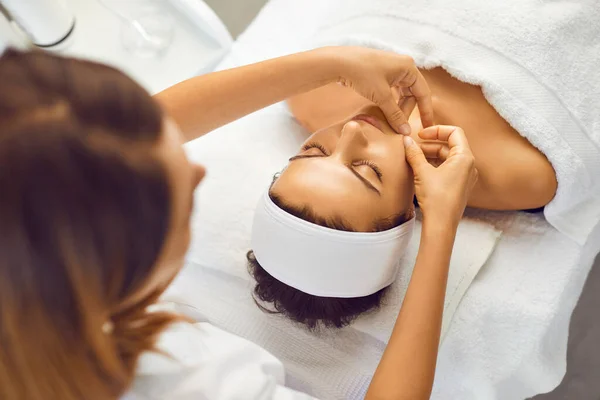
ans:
x=329 y=190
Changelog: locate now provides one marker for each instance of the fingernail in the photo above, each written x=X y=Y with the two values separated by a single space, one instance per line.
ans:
x=408 y=141
x=405 y=129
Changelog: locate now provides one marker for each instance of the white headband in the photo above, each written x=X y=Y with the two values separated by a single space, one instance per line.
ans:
x=326 y=262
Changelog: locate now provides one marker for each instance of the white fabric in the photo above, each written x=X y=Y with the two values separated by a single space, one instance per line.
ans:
x=322 y=261
x=475 y=241
x=507 y=339
x=536 y=61
x=200 y=361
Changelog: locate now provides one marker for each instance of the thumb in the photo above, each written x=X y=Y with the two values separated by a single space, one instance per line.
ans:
x=394 y=114
x=414 y=155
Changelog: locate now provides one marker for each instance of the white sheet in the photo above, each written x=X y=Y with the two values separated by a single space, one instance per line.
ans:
x=508 y=336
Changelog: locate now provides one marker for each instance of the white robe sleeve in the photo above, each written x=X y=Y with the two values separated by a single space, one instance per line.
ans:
x=205 y=362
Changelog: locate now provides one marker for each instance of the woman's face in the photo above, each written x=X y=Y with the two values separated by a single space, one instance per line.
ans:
x=354 y=170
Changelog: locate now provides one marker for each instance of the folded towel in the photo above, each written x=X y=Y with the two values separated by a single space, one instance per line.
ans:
x=475 y=241
x=536 y=61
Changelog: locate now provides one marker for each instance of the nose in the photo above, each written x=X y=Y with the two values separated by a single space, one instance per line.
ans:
x=352 y=139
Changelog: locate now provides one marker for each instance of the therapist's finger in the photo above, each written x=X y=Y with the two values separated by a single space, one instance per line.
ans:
x=393 y=113
x=407 y=105
x=454 y=135
x=437 y=151
x=415 y=157
x=420 y=89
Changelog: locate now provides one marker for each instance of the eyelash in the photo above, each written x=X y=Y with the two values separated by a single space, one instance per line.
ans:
x=319 y=146
x=370 y=164
x=311 y=145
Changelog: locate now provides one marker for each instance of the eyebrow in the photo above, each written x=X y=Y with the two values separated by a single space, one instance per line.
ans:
x=365 y=181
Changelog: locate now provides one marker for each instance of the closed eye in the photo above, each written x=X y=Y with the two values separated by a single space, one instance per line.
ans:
x=372 y=165
x=324 y=153
x=315 y=145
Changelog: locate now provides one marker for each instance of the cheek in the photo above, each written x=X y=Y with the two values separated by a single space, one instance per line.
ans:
x=390 y=154
x=165 y=275
x=180 y=246
x=396 y=171
x=402 y=177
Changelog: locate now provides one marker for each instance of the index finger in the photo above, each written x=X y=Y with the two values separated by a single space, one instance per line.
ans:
x=420 y=89
x=454 y=135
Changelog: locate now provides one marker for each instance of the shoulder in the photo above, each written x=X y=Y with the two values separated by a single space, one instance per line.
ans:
x=525 y=180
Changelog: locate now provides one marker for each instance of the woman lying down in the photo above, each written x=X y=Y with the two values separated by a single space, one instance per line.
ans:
x=342 y=209
x=345 y=200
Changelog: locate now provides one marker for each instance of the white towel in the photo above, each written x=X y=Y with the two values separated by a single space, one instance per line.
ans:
x=475 y=241
x=537 y=62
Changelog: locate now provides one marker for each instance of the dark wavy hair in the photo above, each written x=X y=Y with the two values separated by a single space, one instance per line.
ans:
x=306 y=309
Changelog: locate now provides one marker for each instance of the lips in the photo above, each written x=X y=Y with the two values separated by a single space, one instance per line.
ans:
x=369 y=119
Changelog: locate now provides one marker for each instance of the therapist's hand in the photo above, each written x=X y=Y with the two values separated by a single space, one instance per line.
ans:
x=443 y=191
x=374 y=73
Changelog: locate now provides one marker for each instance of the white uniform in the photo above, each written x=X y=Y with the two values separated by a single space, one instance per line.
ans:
x=201 y=361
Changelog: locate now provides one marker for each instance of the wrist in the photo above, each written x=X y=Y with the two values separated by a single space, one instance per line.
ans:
x=442 y=226
x=331 y=64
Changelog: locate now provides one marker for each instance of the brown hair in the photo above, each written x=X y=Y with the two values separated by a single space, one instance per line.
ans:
x=309 y=310
x=84 y=213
